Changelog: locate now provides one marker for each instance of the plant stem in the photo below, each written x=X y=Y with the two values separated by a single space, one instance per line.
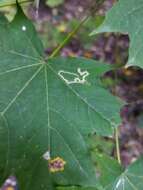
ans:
x=117 y=145
x=68 y=38
x=77 y=28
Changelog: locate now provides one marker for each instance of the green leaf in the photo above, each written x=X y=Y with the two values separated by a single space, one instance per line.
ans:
x=48 y=107
x=76 y=188
x=100 y=143
x=126 y=16
x=108 y=167
x=130 y=179
x=4 y=3
x=54 y=3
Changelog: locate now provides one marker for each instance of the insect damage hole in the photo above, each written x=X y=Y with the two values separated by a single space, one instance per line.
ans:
x=46 y=155
x=24 y=28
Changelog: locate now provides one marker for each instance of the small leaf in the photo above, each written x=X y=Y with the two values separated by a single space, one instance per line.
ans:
x=130 y=179
x=126 y=17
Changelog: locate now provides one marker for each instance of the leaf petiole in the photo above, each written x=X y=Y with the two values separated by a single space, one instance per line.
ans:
x=117 y=145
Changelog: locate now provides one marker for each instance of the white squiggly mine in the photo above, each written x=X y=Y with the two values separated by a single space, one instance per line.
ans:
x=78 y=78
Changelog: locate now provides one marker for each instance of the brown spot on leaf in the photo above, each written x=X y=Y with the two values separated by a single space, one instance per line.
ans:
x=56 y=165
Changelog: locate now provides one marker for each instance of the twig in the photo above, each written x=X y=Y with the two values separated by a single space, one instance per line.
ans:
x=68 y=38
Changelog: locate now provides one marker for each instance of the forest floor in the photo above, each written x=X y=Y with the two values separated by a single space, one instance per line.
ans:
x=55 y=23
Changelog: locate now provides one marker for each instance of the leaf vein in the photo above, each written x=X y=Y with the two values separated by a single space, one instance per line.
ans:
x=20 y=91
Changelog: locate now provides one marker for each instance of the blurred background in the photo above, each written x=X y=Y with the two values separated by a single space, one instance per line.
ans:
x=54 y=21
